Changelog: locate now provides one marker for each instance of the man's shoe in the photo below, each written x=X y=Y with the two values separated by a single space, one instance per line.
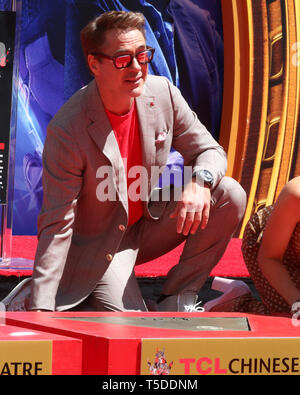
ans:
x=186 y=302
x=16 y=299
x=231 y=289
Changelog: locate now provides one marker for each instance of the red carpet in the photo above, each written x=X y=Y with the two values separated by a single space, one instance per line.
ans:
x=231 y=264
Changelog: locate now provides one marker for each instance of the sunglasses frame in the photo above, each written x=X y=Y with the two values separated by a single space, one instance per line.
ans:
x=113 y=58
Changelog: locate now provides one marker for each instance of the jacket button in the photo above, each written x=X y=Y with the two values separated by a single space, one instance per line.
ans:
x=121 y=227
x=109 y=257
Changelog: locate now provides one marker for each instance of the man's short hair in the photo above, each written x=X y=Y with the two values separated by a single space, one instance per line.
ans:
x=93 y=35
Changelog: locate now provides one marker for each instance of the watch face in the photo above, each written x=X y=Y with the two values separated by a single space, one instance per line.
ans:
x=206 y=176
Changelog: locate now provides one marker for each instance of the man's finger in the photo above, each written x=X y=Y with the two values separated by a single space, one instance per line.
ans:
x=181 y=216
x=196 y=223
x=205 y=216
x=188 y=223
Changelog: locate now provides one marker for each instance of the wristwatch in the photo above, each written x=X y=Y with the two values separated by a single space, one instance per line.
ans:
x=205 y=176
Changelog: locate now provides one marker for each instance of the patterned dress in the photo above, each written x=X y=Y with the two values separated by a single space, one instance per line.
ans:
x=271 y=301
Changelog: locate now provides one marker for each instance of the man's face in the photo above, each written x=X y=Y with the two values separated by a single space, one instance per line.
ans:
x=121 y=83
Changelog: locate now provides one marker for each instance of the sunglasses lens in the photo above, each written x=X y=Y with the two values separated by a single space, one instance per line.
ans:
x=144 y=57
x=122 y=61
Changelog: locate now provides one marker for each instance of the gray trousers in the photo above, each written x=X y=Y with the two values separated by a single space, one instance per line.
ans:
x=148 y=239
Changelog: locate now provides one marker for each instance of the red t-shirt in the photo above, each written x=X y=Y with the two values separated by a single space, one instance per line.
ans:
x=126 y=129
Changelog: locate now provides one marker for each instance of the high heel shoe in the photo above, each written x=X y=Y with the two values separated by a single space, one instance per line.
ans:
x=231 y=289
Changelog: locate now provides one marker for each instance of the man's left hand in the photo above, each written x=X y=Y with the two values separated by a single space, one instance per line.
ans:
x=193 y=209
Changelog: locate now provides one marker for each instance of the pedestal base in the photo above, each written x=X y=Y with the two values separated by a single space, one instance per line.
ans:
x=191 y=343
x=32 y=352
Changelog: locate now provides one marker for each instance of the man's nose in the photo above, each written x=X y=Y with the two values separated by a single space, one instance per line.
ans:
x=135 y=64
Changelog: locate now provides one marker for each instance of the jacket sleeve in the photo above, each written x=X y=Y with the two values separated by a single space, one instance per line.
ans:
x=62 y=181
x=191 y=138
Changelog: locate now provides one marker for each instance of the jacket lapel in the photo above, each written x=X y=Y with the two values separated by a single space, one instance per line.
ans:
x=147 y=115
x=146 y=109
x=102 y=134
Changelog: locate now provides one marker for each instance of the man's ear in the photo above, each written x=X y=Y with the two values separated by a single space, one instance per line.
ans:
x=93 y=64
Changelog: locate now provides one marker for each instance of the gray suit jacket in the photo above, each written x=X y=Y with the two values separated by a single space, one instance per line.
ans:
x=78 y=234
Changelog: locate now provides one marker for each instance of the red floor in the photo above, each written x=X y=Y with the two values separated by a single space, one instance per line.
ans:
x=231 y=264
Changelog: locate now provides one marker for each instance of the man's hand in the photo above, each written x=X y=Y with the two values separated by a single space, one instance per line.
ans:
x=193 y=209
